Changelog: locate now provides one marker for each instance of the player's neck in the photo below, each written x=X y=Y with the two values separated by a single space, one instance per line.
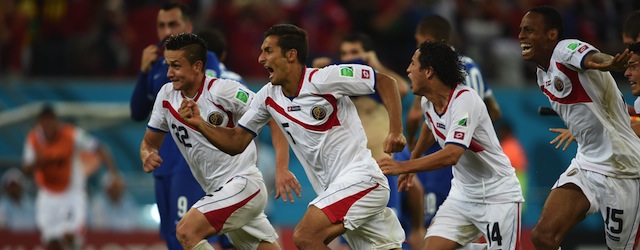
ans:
x=294 y=80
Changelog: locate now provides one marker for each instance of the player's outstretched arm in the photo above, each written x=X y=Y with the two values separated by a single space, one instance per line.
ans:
x=605 y=62
x=388 y=91
x=232 y=141
x=286 y=181
x=151 y=142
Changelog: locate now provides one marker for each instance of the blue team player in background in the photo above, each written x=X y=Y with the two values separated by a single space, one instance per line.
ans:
x=437 y=183
x=175 y=187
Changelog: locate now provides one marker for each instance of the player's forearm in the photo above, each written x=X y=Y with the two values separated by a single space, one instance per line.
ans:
x=106 y=156
x=435 y=161
x=147 y=149
x=424 y=142
x=280 y=146
x=228 y=140
x=416 y=204
x=413 y=120
x=388 y=91
x=493 y=109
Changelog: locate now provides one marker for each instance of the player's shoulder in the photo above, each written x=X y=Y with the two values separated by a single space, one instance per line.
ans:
x=567 y=46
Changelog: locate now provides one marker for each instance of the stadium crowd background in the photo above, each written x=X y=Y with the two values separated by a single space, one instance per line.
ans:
x=87 y=52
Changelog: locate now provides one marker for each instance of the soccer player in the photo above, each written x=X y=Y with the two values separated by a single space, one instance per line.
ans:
x=633 y=74
x=53 y=155
x=235 y=191
x=313 y=108
x=176 y=189
x=605 y=175
x=485 y=195
x=437 y=183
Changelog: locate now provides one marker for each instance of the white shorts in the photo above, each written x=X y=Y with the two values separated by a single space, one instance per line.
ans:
x=463 y=222
x=237 y=210
x=60 y=213
x=618 y=201
x=362 y=207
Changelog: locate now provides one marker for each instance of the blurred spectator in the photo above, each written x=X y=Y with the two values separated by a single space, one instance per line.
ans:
x=17 y=208
x=53 y=155
x=217 y=43
x=516 y=153
x=15 y=18
x=113 y=209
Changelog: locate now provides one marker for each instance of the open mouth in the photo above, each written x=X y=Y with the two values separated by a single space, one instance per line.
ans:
x=526 y=48
x=270 y=70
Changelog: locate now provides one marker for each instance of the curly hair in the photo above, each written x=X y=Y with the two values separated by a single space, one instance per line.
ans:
x=194 y=47
x=290 y=37
x=444 y=60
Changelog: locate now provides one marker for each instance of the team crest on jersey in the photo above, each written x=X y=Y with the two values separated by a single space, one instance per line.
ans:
x=346 y=71
x=318 y=112
x=558 y=84
x=458 y=135
x=215 y=118
x=573 y=172
x=366 y=74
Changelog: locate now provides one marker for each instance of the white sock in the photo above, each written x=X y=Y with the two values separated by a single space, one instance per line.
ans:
x=474 y=246
x=203 y=245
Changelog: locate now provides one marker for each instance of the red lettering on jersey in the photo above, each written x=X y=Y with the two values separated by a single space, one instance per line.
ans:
x=458 y=135
x=583 y=48
x=366 y=74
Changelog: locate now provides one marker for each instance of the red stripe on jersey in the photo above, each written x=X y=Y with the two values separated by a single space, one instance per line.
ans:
x=211 y=83
x=311 y=74
x=217 y=218
x=304 y=71
x=475 y=147
x=451 y=99
x=435 y=128
x=229 y=114
x=330 y=123
x=339 y=209
x=199 y=93
x=577 y=95
x=167 y=105
x=461 y=91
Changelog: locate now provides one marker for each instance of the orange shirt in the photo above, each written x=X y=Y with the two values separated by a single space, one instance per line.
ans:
x=53 y=168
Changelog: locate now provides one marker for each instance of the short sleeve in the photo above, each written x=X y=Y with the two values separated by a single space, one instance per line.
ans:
x=257 y=115
x=344 y=80
x=157 y=121
x=572 y=52
x=236 y=96
x=466 y=113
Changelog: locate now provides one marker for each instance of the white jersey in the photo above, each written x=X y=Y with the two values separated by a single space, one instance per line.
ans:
x=593 y=109
x=222 y=102
x=636 y=105
x=321 y=123
x=483 y=172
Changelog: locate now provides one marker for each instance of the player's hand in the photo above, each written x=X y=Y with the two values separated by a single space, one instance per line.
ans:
x=321 y=62
x=189 y=112
x=149 y=55
x=394 y=143
x=564 y=136
x=405 y=181
x=286 y=182
x=390 y=166
x=617 y=63
x=152 y=162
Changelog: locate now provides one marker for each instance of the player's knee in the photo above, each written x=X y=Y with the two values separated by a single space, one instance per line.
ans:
x=185 y=236
x=303 y=240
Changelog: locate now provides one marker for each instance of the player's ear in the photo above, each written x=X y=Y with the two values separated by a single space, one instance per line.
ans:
x=198 y=66
x=552 y=34
x=292 y=55
x=428 y=72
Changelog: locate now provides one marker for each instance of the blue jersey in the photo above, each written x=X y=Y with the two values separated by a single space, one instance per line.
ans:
x=141 y=104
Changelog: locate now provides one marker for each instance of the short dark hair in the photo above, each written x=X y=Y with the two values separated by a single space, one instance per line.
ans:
x=436 y=26
x=172 y=4
x=635 y=48
x=444 y=60
x=215 y=40
x=291 y=37
x=552 y=19
x=631 y=27
x=362 y=38
x=194 y=47
x=47 y=110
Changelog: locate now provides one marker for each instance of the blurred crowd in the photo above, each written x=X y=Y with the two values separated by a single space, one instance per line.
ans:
x=104 y=38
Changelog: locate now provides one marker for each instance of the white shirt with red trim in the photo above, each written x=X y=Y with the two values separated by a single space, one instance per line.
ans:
x=321 y=123
x=593 y=109
x=222 y=102
x=483 y=172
